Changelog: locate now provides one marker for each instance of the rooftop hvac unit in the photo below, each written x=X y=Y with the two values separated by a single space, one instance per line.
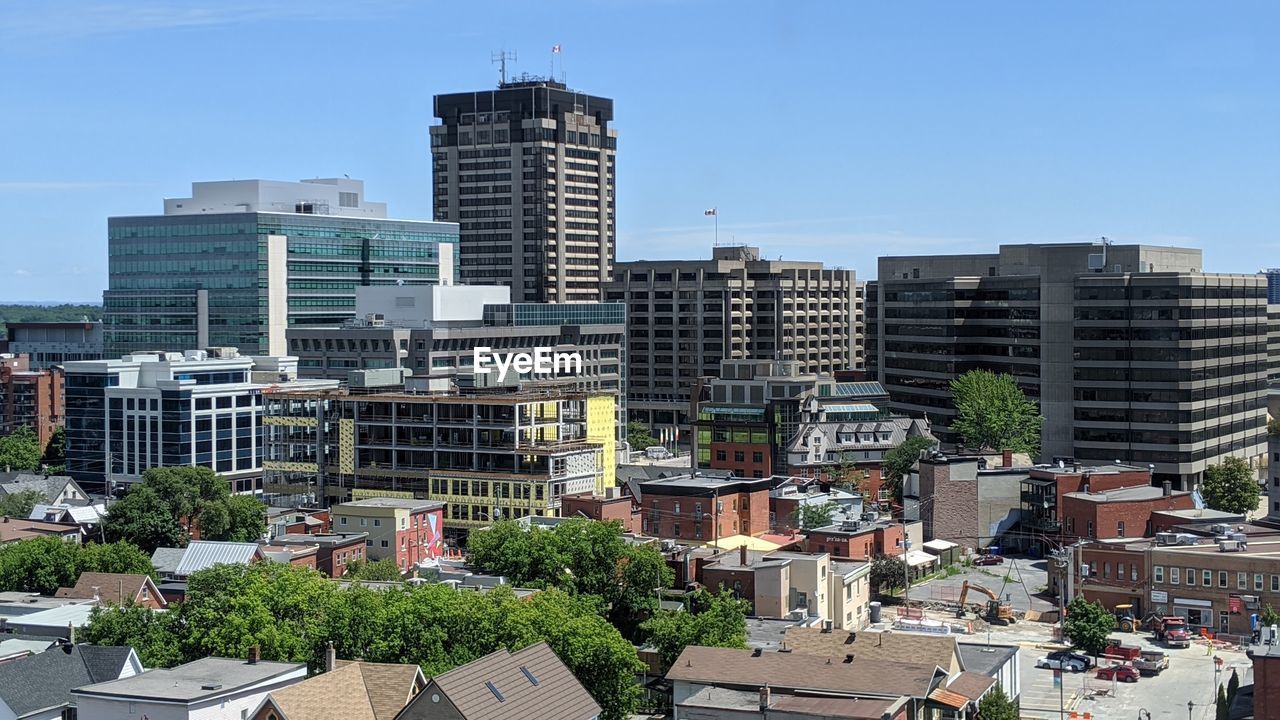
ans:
x=1097 y=261
x=1166 y=538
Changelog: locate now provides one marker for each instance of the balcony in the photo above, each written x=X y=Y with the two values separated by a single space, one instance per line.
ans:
x=1035 y=499
x=1042 y=523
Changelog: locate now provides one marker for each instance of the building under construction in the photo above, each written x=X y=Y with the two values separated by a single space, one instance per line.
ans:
x=488 y=455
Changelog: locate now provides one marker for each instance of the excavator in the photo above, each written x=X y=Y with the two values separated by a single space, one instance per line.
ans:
x=997 y=613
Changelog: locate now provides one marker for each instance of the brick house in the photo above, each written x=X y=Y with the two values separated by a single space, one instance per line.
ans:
x=334 y=552
x=1118 y=513
x=406 y=530
x=698 y=507
x=298 y=554
x=612 y=505
x=115 y=589
x=856 y=540
x=963 y=499
x=1119 y=573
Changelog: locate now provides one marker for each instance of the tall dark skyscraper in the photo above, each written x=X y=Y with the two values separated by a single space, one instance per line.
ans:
x=527 y=170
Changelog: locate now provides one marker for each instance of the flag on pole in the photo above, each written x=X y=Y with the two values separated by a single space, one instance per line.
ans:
x=709 y=213
x=555 y=48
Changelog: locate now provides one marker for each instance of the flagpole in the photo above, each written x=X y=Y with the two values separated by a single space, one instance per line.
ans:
x=717 y=216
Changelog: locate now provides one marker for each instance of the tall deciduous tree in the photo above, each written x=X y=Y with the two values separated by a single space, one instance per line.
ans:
x=1088 y=625
x=169 y=501
x=45 y=564
x=20 y=504
x=812 y=515
x=384 y=570
x=993 y=413
x=898 y=462
x=55 y=451
x=721 y=622
x=1231 y=486
x=20 y=450
x=888 y=572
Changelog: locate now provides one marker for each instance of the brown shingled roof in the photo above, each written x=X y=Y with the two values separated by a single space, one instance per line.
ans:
x=948 y=698
x=116 y=588
x=971 y=685
x=903 y=647
x=351 y=691
x=796 y=671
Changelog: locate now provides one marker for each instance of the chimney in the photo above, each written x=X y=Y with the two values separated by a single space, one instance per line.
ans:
x=765 y=698
x=1168 y=488
x=71 y=633
x=826 y=626
x=330 y=657
x=255 y=654
x=1006 y=457
x=742 y=555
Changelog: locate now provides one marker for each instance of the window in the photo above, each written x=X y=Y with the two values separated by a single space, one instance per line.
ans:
x=1090 y=526
x=384 y=543
x=377 y=522
x=721 y=455
x=342 y=520
x=363 y=522
x=1157 y=573
x=1175 y=576
x=1222 y=578
x=1133 y=572
x=1275 y=583
x=739 y=456
x=1242 y=581
x=1207 y=579
x=1106 y=569
x=1120 y=529
x=1191 y=576
x=1257 y=582
x=1119 y=571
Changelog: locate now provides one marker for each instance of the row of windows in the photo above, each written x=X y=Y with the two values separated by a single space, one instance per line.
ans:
x=1190 y=576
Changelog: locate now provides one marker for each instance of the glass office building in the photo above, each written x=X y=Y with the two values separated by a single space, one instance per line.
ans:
x=205 y=275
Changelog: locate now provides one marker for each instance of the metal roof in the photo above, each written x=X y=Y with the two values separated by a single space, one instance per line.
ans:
x=859 y=389
x=203 y=554
x=855 y=408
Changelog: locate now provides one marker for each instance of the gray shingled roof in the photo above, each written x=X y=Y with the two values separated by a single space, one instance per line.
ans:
x=45 y=680
x=166 y=559
x=471 y=689
x=50 y=485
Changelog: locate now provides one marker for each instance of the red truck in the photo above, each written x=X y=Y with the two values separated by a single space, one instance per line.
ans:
x=1117 y=650
x=1172 y=631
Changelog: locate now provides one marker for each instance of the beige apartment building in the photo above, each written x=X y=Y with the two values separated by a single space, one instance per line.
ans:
x=685 y=316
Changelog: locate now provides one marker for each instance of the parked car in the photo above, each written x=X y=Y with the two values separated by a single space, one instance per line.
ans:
x=1061 y=663
x=1073 y=656
x=988 y=560
x=1123 y=673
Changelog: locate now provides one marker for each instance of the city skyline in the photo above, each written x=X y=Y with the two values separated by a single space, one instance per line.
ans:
x=822 y=133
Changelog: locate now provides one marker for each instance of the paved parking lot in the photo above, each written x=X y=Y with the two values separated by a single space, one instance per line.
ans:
x=1190 y=677
x=1017 y=579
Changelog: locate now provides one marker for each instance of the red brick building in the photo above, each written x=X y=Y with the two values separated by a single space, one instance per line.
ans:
x=1044 y=496
x=29 y=397
x=1119 y=573
x=613 y=505
x=1266 y=680
x=859 y=540
x=334 y=552
x=704 y=508
x=408 y=531
x=298 y=555
x=1119 y=513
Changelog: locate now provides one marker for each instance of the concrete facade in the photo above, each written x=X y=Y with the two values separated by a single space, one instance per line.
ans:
x=685 y=316
x=55 y=343
x=527 y=170
x=1131 y=351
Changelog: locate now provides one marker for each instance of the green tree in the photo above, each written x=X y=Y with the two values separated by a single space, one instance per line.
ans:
x=1088 y=625
x=898 y=462
x=55 y=452
x=845 y=475
x=1222 y=712
x=20 y=504
x=159 y=511
x=155 y=636
x=117 y=557
x=45 y=564
x=384 y=570
x=20 y=450
x=639 y=437
x=1273 y=426
x=1233 y=686
x=723 y=623
x=996 y=705
x=142 y=517
x=1230 y=486
x=1270 y=616
x=811 y=515
x=993 y=413
x=888 y=573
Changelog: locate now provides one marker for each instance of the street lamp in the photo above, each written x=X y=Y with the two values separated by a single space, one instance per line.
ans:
x=1190 y=706
x=1217 y=673
x=1144 y=713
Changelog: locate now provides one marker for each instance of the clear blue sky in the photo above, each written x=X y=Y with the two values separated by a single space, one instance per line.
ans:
x=835 y=131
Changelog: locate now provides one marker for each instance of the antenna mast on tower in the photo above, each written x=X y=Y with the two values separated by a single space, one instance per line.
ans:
x=501 y=57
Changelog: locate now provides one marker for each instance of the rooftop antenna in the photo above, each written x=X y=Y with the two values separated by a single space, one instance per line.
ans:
x=501 y=57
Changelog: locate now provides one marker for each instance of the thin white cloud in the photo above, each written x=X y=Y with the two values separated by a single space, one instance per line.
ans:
x=60 y=19
x=59 y=185
x=21 y=273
